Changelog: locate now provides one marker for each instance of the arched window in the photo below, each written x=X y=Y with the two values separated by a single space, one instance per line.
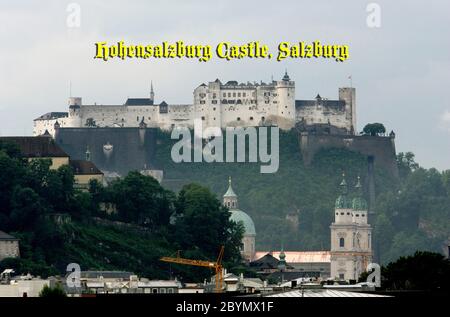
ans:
x=341 y=242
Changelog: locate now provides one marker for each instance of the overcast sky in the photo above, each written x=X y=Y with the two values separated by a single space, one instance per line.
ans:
x=401 y=71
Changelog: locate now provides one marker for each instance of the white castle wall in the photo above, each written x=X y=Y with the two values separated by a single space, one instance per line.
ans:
x=218 y=105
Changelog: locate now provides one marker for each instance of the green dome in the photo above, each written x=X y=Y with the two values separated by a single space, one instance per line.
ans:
x=240 y=216
x=359 y=204
x=342 y=202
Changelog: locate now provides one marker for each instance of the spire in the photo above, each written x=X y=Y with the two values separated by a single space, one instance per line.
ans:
x=282 y=261
x=88 y=154
x=343 y=185
x=230 y=192
x=359 y=203
x=152 y=93
x=286 y=76
x=342 y=202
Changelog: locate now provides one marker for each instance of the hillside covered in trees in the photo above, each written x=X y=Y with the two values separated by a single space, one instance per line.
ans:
x=411 y=211
x=58 y=225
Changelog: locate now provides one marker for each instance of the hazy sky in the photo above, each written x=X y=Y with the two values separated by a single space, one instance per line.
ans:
x=401 y=70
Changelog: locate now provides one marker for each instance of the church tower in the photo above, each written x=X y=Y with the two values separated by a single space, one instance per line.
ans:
x=351 y=246
x=230 y=200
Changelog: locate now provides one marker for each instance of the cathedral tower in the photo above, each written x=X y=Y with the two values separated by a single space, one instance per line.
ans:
x=351 y=247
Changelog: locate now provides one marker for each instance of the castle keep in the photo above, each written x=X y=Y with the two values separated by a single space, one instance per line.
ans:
x=217 y=104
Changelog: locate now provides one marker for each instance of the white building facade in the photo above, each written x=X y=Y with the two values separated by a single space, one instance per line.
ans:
x=217 y=105
x=351 y=236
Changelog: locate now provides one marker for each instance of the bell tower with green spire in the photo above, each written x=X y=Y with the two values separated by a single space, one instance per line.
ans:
x=351 y=246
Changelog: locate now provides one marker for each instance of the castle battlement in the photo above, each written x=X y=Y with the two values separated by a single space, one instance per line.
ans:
x=217 y=104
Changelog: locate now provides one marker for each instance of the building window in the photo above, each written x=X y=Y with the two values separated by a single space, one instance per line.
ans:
x=341 y=242
x=341 y=276
x=238 y=119
x=243 y=94
x=155 y=291
x=251 y=118
x=203 y=118
x=214 y=102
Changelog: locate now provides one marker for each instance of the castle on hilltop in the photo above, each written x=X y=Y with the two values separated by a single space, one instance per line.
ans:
x=217 y=105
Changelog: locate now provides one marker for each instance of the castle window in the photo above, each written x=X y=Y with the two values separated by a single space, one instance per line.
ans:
x=348 y=214
x=337 y=214
x=238 y=119
x=342 y=213
x=262 y=119
x=203 y=118
x=214 y=108
x=251 y=118
x=341 y=242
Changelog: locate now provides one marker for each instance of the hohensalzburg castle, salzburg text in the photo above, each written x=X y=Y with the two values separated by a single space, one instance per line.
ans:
x=217 y=104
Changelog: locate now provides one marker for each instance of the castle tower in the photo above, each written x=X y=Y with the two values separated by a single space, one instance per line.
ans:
x=248 y=239
x=348 y=95
x=285 y=90
x=351 y=247
x=74 y=119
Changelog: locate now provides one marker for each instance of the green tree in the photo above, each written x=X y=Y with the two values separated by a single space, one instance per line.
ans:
x=374 y=129
x=141 y=199
x=205 y=224
x=421 y=271
x=52 y=292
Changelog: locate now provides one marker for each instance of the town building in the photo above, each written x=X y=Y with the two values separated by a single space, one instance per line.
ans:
x=45 y=147
x=9 y=246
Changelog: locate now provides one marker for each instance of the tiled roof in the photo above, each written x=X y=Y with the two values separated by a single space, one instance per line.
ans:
x=52 y=115
x=323 y=102
x=84 y=168
x=38 y=146
x=5 y=236
x=300 y=256
x=139 y=102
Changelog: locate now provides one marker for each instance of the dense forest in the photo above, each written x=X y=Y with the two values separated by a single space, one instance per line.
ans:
x=411 y=211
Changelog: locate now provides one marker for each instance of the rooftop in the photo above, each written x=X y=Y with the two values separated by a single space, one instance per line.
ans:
x=52 y=115
x=299 y=256
x=139 y=102
x=5 y=236
x=84 y=168
x=39 y=146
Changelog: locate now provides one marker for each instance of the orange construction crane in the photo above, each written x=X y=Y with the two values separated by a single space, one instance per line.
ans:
x=213 y=265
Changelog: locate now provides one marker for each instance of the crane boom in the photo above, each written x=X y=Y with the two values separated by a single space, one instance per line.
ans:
x=217 y=266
